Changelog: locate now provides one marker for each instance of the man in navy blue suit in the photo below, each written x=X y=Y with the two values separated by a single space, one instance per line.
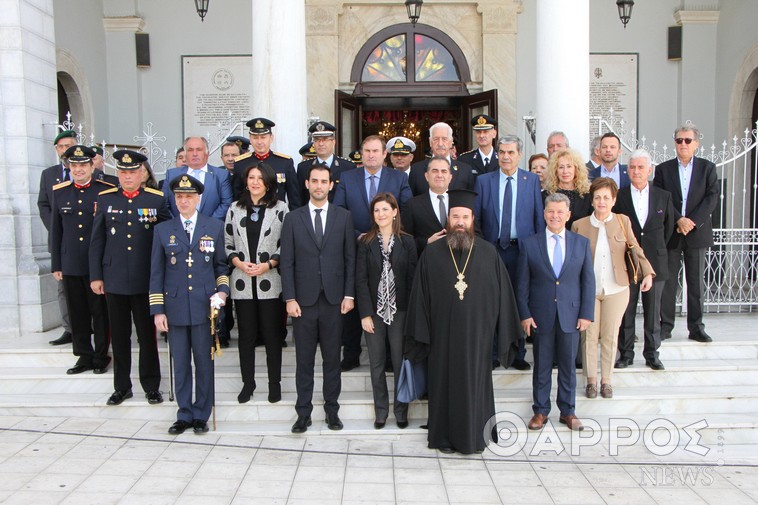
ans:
x=610 y=152
x=217 y=196
x=509 y=209
x=556 y=300
x=355 y=191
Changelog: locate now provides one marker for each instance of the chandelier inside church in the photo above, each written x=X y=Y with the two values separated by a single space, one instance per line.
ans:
x=403 y=127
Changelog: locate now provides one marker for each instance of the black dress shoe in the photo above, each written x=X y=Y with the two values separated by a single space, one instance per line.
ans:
x=349 y=364
x=655 y=364
x=700 y=337
x=77 y=369
x=154 y=397
x=178 y=427
x=402 y=424
x=99 y=370
x=119 y=396
x=520 y=364
x=199 y=426
x=665 y=335
x=301 y=425
x=446 y=450
x=274 y=392
x=495 y=364
x=622 y=363
x=224 y=343
x=333 y=422
x=246 y=393
x=66 y=338
x=378 y=425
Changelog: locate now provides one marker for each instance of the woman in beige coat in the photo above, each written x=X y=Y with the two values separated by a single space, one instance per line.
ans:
x=608 y=240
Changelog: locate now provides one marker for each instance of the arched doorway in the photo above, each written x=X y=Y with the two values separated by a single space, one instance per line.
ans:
x=408 y=78
x=69 y=99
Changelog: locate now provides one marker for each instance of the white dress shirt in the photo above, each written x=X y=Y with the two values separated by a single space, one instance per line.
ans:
x=641 y=202
x=551 y=243
x=312 y=208
x=436 y=203
x=605 y=278
x=685 y=176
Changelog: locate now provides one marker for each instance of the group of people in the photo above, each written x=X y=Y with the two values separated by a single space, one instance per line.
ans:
x=456 y=261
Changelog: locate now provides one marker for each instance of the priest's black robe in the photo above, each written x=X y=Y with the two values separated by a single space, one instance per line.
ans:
x=459 y=334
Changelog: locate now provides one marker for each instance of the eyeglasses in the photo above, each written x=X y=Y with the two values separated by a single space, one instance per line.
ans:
x=679 y=140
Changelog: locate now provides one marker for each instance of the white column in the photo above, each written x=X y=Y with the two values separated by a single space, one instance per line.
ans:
x=28 y=299
x=279 y=71
x=563 y=66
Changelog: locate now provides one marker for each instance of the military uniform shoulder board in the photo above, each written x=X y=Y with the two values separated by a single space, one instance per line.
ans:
x=62 y=185
x=112 y=190
x=282 y=155
x=243 y=156
x=341 y=158
x=106 y=183
x=467 y=152
x=153 y=191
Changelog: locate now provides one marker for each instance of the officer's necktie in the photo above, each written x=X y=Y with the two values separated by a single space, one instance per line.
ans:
x=188 y=229
x=557 y=255
x=372 y=188
x=319 y=227
x=486 y=161
x=66 y=174
x=443 y=211
x=505 y=216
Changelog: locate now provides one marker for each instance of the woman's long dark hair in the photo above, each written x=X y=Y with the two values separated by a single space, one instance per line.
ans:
x=151 y=182
x=269 y=180
x=397 y=227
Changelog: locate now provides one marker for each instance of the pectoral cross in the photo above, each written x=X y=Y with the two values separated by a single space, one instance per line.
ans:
x=461 y=286
x=189 y=262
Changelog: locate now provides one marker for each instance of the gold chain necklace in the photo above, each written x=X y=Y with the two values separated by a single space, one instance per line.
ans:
x=461 y=285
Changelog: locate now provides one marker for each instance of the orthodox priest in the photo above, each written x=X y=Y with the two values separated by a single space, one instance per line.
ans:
x=461 y=299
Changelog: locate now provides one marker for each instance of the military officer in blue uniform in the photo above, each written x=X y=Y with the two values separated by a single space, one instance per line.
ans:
x=483 y=159
x=188 y=271
x=261 y=138
x=324 y=142
x=73 y=211
x=307 y=152
x=122 y=239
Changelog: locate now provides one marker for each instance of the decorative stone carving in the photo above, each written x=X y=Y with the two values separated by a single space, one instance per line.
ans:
x=499 y=17
x=321 y=19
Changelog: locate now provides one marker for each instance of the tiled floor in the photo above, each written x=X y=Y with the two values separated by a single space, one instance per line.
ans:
x=99 y=461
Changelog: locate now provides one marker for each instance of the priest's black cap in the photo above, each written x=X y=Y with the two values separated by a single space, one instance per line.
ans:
x=242 y=142
x=79 y=154
x=128 y=160
x=186 y=184
x=260 y=125
x=461 y=198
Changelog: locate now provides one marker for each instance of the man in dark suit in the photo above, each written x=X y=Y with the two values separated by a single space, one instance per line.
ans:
x=484 y=158
x=509 y=209
x=122 y=238
x=693 y=184
x=261 y=138
x=355 y=191
x=217 y=195
x=441 y=141
x=610 y=151
x=324 y=141
x=426 y=215
x=652 y=216
x=556 y=300
x=51 y=176
x=188 y=273
x=318 y=283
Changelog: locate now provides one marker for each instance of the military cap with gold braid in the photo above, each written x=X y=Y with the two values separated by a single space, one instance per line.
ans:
x=322 y=129
x=186 y=184
x=128 y=160
x=242 y=142
x=260 y=125
x=308 y=150
x=401 y=145
x=483 y=122
x=79 y=154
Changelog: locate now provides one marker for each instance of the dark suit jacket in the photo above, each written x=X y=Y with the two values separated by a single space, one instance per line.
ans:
x=658 y=228
x=623 y=176
x=338 y=166
x=530 y=215
x=50 y=177
x=420 y=220
x=463 y=177
x=351 y=194
x=306 y=268
x=368 y=272
x=217 y=195
x=542 y=295
x=474 y=159
x=702 y=199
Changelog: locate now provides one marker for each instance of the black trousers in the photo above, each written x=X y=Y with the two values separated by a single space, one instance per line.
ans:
x=694 y=270
x=320 y=324
x=651 y=307
x=87 y=312
x=352 y=331
x=260 y=319
x=122 y=309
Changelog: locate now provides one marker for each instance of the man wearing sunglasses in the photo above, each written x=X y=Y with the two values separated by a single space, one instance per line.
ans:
x=693 y=184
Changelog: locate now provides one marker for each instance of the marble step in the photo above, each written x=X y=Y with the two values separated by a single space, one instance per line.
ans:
x=713 y=372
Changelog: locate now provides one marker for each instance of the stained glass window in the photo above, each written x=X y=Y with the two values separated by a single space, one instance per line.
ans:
x=387 y=61
x=431 y=61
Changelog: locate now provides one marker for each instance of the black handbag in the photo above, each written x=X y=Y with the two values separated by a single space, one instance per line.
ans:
x=631 y=257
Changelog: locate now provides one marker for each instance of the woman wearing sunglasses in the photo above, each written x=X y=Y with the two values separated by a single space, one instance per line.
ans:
x=252 y=232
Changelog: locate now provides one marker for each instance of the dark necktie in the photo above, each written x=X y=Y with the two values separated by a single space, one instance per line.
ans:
x=319 y=227
x=66 y=174
x=188 y=229
x=486 y=161
x=372 y=189
x=443 y=211
x=505 y=217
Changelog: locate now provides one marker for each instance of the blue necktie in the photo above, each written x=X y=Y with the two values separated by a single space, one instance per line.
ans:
x=505 y=216
x=557 y=255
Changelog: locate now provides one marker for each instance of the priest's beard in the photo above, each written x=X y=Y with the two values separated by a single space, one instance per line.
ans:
x=460 y=237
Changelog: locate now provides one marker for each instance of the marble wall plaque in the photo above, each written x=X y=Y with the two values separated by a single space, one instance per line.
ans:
x=614 y=84
x=212 y=86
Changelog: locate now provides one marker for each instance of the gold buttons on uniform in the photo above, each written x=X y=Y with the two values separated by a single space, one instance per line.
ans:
x=129 y=248
x=129 y=235
x=129 y=224
x=80 y=201
x=81 y=239
x=81 y=225
x=189 y=276
x=130 y=201
x=190 y=288
x=557 y=282
x=80 y=212
x=128 y=211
